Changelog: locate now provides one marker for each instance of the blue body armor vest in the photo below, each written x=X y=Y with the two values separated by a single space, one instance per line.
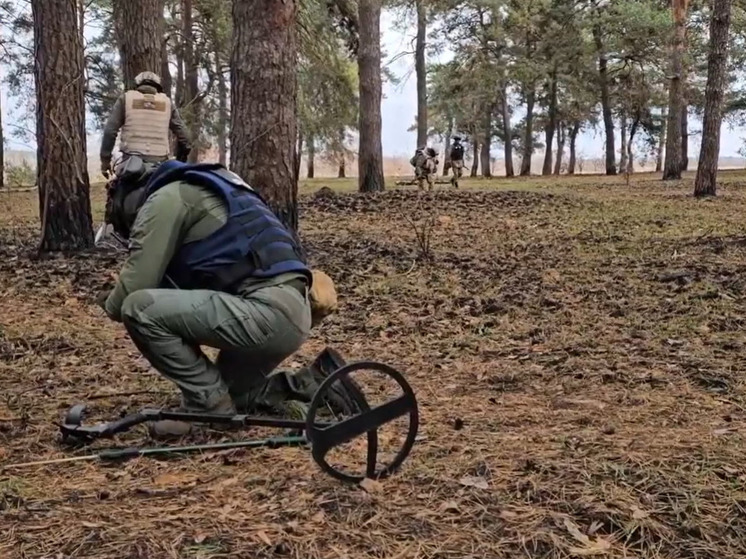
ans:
x=252 y=243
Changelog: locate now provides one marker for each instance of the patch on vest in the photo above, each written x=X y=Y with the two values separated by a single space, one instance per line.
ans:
x=149 y=105
x=232 y=178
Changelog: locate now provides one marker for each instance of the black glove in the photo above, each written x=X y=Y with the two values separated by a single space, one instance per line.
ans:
x=182 y=153
x=101 y=299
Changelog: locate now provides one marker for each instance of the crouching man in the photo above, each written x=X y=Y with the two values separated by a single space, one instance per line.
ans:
x=243 y=286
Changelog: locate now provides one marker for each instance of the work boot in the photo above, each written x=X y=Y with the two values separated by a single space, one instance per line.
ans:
x=173 y=429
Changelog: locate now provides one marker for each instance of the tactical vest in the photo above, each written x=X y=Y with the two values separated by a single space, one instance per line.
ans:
x=146 y=123
x=252 y=243
x=457 y=152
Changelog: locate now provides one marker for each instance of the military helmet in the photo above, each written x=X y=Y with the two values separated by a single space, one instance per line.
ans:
x=148 y=78
x=457 y=138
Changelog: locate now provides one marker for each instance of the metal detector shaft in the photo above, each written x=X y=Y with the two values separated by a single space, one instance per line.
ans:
x=134 y=452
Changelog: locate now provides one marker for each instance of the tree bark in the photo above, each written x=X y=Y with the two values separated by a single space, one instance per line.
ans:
x=447 y=154
x=166 y=79
x=180 y=83
x=528 y=140
x=421 y=72
x=222 y=109
x=62 y=163
x=263 y=102
x=560 y=149
x=673 y=161
x=475 y=163
x=684 y=136
x=370 y=159
x=705 y=183
x=342 y=170
x=487 y=143
x=551 y=124
x=603 y=80
x=311 y=162
x=139 y=30
x=2 y=149
x=191 y=112
x=623 y=136
x=573 y=138
x=299 y=152
x=508 y=131
x=661 y=143
x=630 y=168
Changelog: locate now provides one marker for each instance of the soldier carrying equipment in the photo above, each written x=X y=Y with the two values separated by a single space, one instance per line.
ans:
x=457 y=160
x=425 y=163
x=143 y=117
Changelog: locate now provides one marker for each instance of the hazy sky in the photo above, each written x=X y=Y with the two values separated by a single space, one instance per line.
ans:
x=400 y=106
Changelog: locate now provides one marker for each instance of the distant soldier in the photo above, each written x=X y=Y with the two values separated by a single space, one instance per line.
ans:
x=457 y=160
x=144 y=116
x=425 y=163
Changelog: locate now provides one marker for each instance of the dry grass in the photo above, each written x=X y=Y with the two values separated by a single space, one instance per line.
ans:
x=577 y=350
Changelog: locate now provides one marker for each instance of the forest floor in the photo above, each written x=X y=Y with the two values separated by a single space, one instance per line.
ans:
x=576 y=346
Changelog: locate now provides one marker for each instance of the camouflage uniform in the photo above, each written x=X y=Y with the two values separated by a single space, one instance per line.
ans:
x=425 y=165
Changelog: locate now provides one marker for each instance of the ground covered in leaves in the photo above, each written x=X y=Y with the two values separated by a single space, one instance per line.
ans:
x=576 y=347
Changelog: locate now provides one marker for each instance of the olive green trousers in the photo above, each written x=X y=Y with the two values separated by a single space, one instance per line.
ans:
x=254 y=334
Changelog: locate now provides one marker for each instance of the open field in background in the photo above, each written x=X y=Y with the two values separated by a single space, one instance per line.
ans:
x=395 y=166
x=576 y=345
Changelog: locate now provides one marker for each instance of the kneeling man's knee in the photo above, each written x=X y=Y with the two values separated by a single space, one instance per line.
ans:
x=134 y=306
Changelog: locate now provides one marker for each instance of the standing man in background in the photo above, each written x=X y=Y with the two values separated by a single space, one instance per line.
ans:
x=457 y=160
x=144 y=116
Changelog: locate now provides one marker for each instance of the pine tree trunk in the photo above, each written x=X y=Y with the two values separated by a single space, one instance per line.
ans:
x=560 y=149
x=301 y=141
x=475 y=163
x=342 y=171
x=603 y=78
x=2 y=149
x=263 y=98
x=551 y=124
x=630 y=154
x=673 y=161
x=508 y=131
x=573 y=138
x=180 y=84
x=192 y=112
x=623 y=135
x=487 y=144
x=447 y=154
x=222 y=109
x=528 y=140
x=421 y=72
x=717 y=67
x=684 y=137
x=139 y=31
x=370 y=159
x=661 y=143
x=311 y=163
x=62 y=163
x=166 y=79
